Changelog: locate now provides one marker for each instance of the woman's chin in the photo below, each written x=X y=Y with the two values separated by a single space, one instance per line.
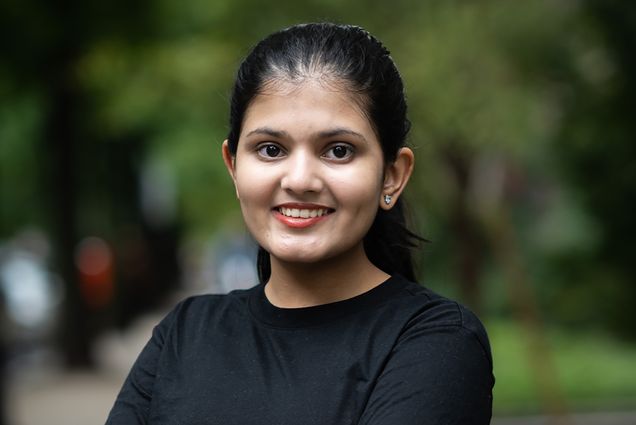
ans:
x=298 y=257
x=303 y=255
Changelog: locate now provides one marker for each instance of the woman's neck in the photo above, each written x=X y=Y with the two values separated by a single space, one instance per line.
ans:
x=294 y=285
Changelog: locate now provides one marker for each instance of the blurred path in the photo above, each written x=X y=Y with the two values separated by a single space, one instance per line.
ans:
x=45 y=393
x=62 y=399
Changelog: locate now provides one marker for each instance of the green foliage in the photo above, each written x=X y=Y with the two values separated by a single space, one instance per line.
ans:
x=594 y=371
x=20 y=180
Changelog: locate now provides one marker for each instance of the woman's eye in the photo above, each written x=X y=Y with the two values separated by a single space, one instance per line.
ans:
x=270 y=151
x=339 y=152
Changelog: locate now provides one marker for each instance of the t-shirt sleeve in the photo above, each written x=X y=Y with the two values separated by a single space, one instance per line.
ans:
x=437 y=374
x=133 y=402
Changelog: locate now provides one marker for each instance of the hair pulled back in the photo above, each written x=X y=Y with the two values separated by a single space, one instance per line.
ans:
x=350 y=56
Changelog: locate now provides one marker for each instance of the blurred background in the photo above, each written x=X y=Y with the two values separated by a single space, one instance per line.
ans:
x=114 y=202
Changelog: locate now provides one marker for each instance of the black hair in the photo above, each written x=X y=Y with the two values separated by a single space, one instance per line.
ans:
x=350 y=56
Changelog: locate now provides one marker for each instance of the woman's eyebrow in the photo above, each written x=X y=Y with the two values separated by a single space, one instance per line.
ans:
x=340 y=132
x=326 y=134
x=267 y=131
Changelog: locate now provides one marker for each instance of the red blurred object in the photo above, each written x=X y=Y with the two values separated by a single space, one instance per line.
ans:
x=94 y=261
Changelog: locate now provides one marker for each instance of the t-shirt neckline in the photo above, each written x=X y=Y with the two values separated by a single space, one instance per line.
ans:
x=264 y=311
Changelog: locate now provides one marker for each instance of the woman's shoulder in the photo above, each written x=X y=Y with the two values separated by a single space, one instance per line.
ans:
x=430 y=311
x=440 y=360
x=436 y=309
x=194 y=308
x=213 y=300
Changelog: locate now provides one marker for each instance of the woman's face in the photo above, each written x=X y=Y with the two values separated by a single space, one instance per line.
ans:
x=308 y=172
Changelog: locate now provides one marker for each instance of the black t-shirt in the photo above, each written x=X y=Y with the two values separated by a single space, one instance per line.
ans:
x=397 y=354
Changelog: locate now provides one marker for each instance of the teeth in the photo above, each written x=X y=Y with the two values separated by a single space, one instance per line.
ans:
x=302 y=213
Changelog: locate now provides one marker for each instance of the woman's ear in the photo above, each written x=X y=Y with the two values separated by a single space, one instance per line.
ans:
x=396 y=176
x=230 y=163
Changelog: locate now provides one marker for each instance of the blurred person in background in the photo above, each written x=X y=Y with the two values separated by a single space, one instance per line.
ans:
x=336 y=331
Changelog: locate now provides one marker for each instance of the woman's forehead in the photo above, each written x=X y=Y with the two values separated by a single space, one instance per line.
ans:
x=306 y=104
x=326 y=83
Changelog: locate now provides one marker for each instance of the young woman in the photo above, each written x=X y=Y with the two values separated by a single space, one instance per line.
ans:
x=336 y=332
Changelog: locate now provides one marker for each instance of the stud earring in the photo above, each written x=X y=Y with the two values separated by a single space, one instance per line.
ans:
x=387 y=199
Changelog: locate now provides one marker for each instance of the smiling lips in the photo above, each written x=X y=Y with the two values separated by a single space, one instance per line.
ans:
x=301 y=216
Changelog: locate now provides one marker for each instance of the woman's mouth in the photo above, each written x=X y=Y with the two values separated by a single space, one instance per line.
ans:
x=302 y=212
x=299 y=217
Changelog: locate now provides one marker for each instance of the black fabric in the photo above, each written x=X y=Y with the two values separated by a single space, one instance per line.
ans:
x=398 y=354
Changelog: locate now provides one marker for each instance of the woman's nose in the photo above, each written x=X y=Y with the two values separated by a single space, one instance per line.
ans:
x=301 y=174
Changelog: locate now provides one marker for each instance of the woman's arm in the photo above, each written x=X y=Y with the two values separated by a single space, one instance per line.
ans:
x=133 y=402
x=438 y=375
